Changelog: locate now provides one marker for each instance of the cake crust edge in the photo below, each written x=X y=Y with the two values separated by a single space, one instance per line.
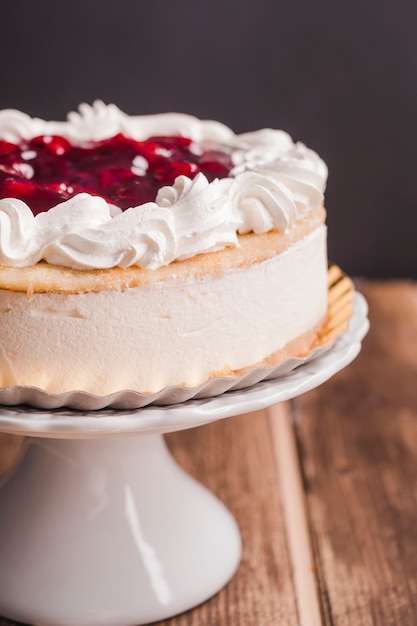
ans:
x=253 y=248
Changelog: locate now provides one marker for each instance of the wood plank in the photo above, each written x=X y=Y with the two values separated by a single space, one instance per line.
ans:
x=357 y=438
x=295 y=515
x=235 y=459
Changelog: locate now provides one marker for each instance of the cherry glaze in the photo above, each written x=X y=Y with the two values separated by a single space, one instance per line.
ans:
x=47 y=170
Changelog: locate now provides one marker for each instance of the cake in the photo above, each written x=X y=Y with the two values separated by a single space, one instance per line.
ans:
x=145 y=252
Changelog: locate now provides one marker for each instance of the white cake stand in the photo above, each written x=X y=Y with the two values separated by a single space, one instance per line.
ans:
x=98 y=529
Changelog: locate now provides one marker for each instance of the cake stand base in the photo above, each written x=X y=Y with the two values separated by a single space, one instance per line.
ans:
x=109 y=531
x=100 y=527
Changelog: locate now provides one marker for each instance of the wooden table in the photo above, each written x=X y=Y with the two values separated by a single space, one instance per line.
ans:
x=324 y=489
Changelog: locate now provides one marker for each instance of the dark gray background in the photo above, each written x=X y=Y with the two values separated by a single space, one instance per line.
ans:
x=340 y=76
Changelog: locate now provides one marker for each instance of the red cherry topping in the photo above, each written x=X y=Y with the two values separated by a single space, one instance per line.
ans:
x=169 y=172
x=42 y=197
x=58 y=146
x=47 y=170
x=7 y=148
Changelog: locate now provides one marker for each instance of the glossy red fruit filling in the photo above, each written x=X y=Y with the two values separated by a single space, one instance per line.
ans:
x=48 y=169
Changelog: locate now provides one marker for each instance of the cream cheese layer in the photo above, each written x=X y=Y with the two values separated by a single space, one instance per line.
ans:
x=176 y=332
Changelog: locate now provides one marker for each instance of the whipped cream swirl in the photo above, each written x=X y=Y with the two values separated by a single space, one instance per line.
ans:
x=273 y=183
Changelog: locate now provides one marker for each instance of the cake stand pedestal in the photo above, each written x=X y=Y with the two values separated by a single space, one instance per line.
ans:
x=98 y=524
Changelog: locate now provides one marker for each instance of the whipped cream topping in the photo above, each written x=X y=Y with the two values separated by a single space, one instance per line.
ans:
x=274 y=183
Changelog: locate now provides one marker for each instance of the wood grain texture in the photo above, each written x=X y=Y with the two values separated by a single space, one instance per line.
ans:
x=295 y=515
x=357 y=439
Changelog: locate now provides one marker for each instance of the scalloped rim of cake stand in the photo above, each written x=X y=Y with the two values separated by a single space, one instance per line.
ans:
x=72 y=423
